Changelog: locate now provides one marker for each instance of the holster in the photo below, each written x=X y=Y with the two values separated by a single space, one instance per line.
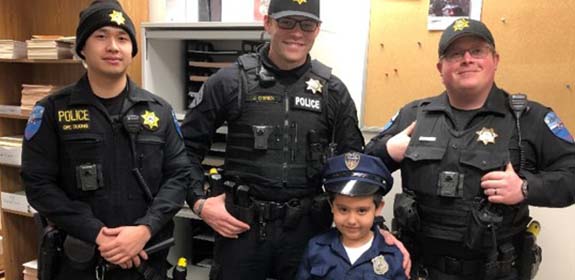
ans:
x=406 y=216
x=530 y=257
x=320 y=212
x=240 y=207
x=296 y=209
x=50 y=256
x=480 y=221
x=80 y=254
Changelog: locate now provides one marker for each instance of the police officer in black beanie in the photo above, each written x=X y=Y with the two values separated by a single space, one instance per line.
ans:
x=104 y=160
x=286 y=113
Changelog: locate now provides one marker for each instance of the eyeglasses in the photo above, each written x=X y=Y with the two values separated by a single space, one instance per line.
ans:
x=306 y=25
x=458 y=55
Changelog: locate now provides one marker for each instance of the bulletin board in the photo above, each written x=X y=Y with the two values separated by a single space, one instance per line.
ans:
x=535 y=40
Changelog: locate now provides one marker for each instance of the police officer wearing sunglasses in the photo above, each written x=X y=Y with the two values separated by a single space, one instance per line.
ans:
x=286 y=113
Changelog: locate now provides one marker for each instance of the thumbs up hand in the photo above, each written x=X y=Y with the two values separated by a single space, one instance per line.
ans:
x=503 y=187
x=397 y=145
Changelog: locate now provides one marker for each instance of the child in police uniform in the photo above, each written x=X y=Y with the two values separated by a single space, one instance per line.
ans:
x=356 y=184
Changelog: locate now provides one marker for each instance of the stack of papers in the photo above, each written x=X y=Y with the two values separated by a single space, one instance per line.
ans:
x=33 y=93
x=10 y=49
x=49 y=47
x=31 y=270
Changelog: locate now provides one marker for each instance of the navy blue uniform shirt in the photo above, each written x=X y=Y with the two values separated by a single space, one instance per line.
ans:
x=326 y=258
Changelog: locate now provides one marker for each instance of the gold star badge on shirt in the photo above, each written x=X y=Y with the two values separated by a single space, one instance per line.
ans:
x=150 y=120
x=486 y=135
x=460 y=24
x=314 y=85
x=300 y=1
x=380 y=266
x=117 y=17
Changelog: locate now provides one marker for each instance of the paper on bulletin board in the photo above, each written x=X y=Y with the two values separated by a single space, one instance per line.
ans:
x=442 y=13
x=244 y=11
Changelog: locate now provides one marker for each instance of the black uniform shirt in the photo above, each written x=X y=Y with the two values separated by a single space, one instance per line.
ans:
x=220 y=103
x=549 y=160
x=75 y=135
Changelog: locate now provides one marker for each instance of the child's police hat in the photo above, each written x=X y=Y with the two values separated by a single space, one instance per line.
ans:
x=464 y=27
x=356 y=174
x=283 y=8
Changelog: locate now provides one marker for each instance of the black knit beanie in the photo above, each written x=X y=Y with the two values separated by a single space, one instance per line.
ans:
x=103 y=13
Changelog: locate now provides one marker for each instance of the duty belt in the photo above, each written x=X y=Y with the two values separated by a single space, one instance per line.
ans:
x=270 y=210
x=454 y=266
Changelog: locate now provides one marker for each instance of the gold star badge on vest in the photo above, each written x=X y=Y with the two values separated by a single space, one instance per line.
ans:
x=300 y=1
x=117 y=17
x=150 y=120
x=314 y=85
x=380 y=266
x=486 y=135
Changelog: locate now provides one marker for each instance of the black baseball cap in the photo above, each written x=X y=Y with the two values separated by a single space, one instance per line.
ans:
x=464 y=27
x=283 y=8
x=356 y=174
x=103 y=13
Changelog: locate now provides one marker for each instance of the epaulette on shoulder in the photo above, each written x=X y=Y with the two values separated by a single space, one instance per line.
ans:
x=321 y=69
x=248 y=61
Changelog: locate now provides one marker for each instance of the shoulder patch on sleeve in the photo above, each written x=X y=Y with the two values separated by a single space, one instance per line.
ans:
x=196 y=98
x=177 y=124
x=34 y=122
x=557 y=127
x=390 y=122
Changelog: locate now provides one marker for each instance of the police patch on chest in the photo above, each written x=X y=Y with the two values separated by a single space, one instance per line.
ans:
x=74 y=119
x=307 y=103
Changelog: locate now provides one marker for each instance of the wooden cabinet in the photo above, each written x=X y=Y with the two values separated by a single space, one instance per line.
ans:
x=19 y=21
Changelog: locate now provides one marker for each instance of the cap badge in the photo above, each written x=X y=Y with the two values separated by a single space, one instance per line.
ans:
x=300 y=1
x=150 y=120
x=314 y=85
x=460 y=24
x=380 y=266
x=117 y=17
x=486 y=135
x=352 y=160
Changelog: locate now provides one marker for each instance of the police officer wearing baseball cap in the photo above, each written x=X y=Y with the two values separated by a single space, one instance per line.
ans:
x=354 y=249
x=472 y=159
x=273 y=154
x=104 y=160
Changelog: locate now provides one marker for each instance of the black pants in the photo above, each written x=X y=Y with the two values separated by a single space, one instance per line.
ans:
x=250 y=258
x=68 y=271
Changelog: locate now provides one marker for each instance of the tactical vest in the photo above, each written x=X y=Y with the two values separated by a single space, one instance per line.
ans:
x=275 y=140
x=443 y=168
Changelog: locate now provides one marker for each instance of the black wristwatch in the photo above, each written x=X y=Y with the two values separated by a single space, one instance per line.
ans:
x=524 y=189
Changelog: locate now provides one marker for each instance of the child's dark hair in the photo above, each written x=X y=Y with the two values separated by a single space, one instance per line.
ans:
x=377 y=197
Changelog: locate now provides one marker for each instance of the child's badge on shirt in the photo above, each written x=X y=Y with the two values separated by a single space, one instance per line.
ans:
x=380 y=266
